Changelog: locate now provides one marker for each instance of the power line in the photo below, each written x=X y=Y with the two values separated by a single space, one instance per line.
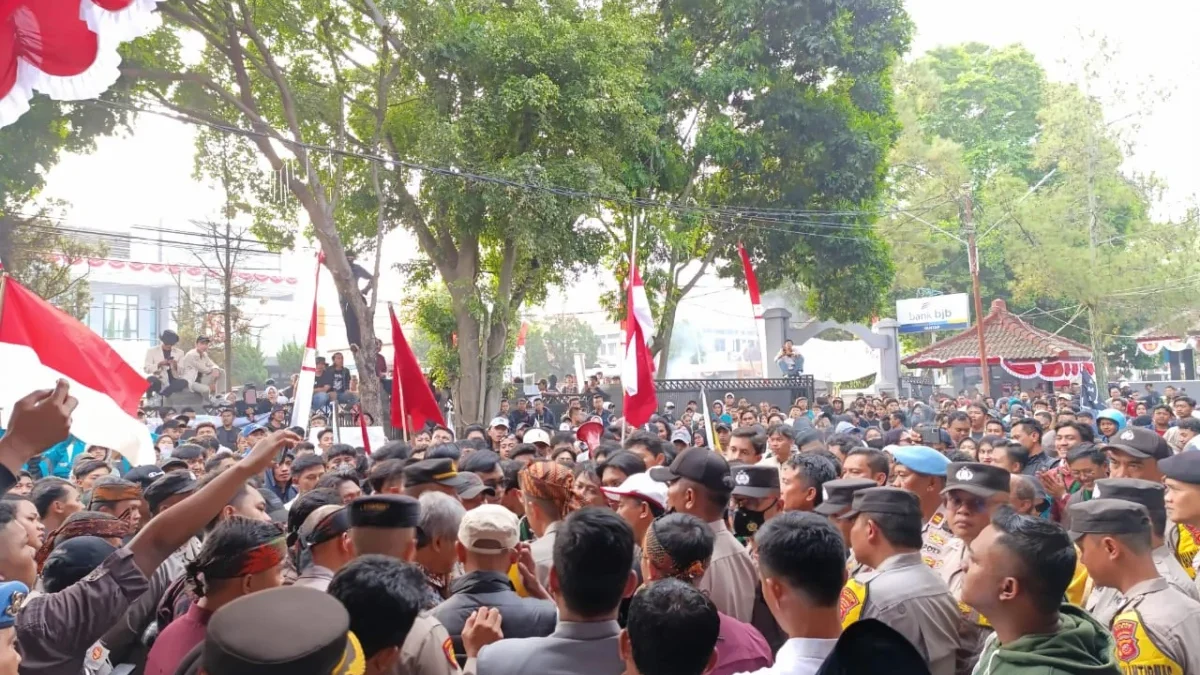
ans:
x=748 y=212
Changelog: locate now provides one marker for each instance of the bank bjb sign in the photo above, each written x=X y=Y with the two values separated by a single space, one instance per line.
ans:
x=941 y=312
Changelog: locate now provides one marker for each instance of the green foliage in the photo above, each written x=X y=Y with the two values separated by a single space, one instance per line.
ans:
x=290 y=357
x=430 y=313
x=29 y=148
x=813 y=135
x=249 y=364
x=1080 y=247
x=551 y=345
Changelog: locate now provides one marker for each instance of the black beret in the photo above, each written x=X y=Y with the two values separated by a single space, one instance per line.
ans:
x=386 y=510
x=168 y=485
x=282 y=631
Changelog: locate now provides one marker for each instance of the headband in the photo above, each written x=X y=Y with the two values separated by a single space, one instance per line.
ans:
x=252 y=561
x=662 y=561
x=331 y=526
x=104 y=528
x=114 y=492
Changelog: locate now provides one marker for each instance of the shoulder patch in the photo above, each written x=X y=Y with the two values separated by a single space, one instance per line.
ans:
x=1125 y=633
x=448 y=649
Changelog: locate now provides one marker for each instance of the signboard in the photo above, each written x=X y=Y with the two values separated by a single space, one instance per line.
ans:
x=941 y=312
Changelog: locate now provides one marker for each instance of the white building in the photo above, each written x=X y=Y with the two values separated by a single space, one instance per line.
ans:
x=136 y=287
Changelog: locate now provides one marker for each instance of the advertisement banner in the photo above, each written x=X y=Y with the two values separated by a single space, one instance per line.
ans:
x=941 y=312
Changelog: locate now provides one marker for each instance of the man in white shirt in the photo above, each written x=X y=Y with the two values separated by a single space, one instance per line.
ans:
x=802 y=562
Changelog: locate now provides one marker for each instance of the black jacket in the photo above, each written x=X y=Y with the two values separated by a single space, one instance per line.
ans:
x=519 y=617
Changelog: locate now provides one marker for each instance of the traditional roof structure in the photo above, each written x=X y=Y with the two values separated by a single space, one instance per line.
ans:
x=1157 y=338
x=1009 y=340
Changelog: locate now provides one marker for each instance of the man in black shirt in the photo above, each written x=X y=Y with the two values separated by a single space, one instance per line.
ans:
x=227 y=435
x=340 y=381
x=322 y=386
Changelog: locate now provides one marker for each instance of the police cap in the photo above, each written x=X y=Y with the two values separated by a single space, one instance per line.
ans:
x=889 y=500
x=751 y=480
x=1184 y=467
x=1108 y=516
x=385 y=511
x=981 y=480
x=837 y=495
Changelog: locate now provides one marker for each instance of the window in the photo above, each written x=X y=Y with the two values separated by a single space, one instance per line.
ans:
x=719 y=345
x=120 y=317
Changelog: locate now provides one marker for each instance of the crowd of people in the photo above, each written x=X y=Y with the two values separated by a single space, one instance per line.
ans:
x=951 y=536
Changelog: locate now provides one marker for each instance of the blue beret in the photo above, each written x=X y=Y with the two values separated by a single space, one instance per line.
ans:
x=922 y=459
x=12 y=595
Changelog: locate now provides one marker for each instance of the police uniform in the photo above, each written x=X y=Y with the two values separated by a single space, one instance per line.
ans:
x=1156 y=628
x=935 y=532
x=286 y=629
x=1103 y=600
x=837 y=496
x=1184 y=538
x=903 y=592
x=752 y=481
x=428 y=649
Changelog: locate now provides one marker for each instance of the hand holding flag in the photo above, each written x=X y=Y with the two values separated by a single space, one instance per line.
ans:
x=39 y=421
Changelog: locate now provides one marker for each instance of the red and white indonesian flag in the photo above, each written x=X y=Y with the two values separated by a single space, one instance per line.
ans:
x=40 y=344
x=637 y=372
x=302 y=401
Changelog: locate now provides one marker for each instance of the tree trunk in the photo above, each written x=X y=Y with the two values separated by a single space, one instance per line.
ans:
x=660 y=347
x=469 y=408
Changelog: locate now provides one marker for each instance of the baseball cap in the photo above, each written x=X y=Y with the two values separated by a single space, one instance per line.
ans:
x=536 y=436
x=251 y=428
x=498 y=422
x=642 y=486
x=472 y=486
x=1184 y=467
x=1108 y=516
x=751 y=480
x=1139 y=442
x=981 y=480
x=682 y=436
x=699 y=464
x=143 y=475
x=489 y=529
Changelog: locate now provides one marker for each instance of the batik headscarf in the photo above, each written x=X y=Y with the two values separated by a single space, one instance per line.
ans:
x=103 y=527
x=661 y=559
x=550 y=481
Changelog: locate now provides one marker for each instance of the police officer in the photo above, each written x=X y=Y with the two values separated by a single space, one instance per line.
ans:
x=837 y=496
x=12 y=594
x=972 y=493
x=755 y=499
x=386 y=524
x=290 y=629
x=922 y=471
x=1103 y=599
x=1156 y=628
x=1181 y=474
x=901 y=591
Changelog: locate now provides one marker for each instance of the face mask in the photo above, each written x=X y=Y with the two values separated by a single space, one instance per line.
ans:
x=746 y=522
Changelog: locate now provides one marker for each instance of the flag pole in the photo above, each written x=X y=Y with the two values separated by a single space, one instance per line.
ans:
x=398 y=385
x=708 y=425
x=629 y=308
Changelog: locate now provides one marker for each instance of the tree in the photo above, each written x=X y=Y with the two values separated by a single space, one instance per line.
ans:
x=27 y=250
x=532 y=93
x=29 y=231
x=1064 y=233
x=551 y=345
x=765 y=107
x=290 y=357
x=249 y=364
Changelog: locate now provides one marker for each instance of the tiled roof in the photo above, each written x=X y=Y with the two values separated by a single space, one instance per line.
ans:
x=1006 y=337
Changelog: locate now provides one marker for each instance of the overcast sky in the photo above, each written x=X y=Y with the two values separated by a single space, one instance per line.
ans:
x=146 y=178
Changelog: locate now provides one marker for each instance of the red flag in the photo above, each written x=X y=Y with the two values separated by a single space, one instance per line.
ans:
x=362 y=424
x=411 y=396
x=39 y=344
x=751 y=281
x=637 y=372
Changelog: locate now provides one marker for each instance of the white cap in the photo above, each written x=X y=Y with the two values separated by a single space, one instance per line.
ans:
x=642 y=486
x=536 y=436
x=498 y=422
x=489 y=529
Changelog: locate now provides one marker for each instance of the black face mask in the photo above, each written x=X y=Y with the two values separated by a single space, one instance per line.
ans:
x=746 y=521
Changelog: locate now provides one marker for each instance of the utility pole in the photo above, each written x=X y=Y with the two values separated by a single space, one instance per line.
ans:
x=973 y=260
x=1097 y=353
